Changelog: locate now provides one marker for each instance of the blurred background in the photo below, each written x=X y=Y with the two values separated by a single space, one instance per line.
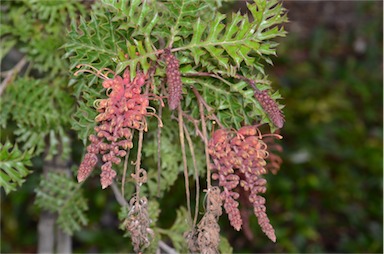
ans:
x=328 y=195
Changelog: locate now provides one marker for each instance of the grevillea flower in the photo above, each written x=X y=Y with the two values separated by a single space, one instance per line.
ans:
x=274 y=161
x=271 y=107
x=173 y=79
x=224 y=159
x=124 y=110
x=239 y=158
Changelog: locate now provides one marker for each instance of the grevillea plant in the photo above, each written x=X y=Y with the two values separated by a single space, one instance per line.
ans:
x=208 y=69
x=180 y=84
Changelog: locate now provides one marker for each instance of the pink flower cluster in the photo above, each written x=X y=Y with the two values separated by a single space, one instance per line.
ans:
x=124 y=110
x=239 y=159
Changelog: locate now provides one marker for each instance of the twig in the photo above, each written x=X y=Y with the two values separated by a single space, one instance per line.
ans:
x=192 y=150
x=209 y=109
x=166 y=248
x=194 y=122
x=251 y=82
x=138 y=162
x=206 y=74
x=204 y=129
x=181 y=134
x=159 y=153
x=119 y=197
x=11 y=73
x=125 y=171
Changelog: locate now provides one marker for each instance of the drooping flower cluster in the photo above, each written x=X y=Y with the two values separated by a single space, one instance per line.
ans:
x=239 y=159
x=274 y=161
x=173 y=79
x=225 y=161
x=124 y=110
x=271 y=107
x=137 y=224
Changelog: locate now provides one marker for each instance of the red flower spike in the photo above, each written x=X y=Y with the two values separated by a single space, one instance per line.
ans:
x=271 y=107
x=89 y=161
x=173 y=79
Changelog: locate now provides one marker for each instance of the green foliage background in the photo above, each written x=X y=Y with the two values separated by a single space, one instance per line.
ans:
x=328 y=195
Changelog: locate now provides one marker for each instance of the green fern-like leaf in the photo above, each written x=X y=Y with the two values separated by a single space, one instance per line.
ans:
x=13 y=165
x=100 y=43
x=182 y=14
x=134 y=12
x=60 y=194
x=26 y=27
x=233 y=102
x=39 y=111
x=84 y=117
x=231 y=42
x=137 y=53
x=55 y=11
x=93 y=42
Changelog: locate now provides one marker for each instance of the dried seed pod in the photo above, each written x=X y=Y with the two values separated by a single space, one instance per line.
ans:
x=271 y=107
x=173 y=79
x=137 y=224
x=208 y=232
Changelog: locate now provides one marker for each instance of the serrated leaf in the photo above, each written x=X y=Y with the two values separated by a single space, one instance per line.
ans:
x=13 y=166
x=230 y=41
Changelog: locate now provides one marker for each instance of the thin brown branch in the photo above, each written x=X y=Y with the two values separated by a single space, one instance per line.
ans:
x=138 y=162
x=162 y=89
x=166 y=248
x=251 y=82
x=185 y=166
x=125 y=171
x=192 y=150
x=159 y=152
x=211 y=115
x=195 y=122
x=118 y=195
x=205 y=135
x=12 y=73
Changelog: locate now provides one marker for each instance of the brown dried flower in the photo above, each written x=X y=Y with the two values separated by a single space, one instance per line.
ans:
x=206 y=238
x=137 y=224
